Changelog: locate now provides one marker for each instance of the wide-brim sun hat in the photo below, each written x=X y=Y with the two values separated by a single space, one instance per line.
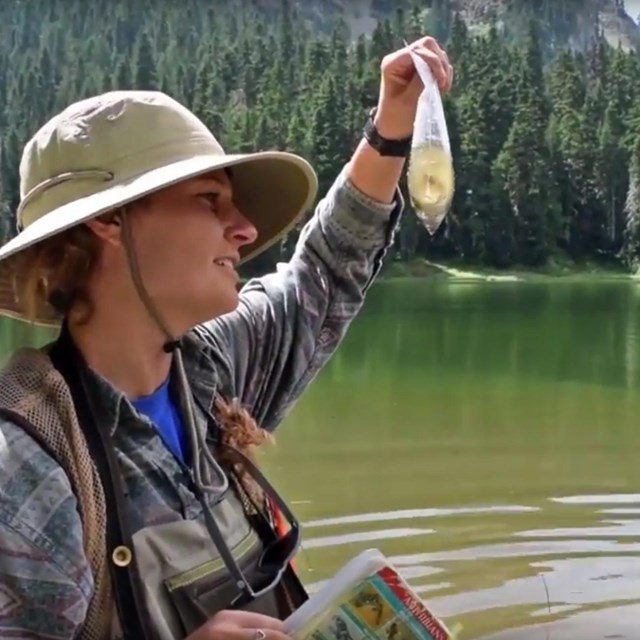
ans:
x=106 y=151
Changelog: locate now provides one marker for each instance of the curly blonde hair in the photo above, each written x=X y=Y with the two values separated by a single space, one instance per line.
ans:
x=54 y=276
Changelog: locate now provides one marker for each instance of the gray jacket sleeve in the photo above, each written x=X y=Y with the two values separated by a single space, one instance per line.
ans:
x=45 y=579
x=290 y=322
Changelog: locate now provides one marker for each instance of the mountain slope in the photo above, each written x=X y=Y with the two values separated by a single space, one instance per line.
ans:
x=576 y=18
x=571 y=22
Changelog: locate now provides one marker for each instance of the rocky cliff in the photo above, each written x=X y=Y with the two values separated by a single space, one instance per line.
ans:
x=577 y=17
x=572 y=21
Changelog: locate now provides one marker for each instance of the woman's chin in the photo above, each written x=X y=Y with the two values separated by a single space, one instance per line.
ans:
x=223 y=304
x=194 y=313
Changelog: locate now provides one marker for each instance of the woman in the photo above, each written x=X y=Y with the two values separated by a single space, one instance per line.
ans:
x=129 y=505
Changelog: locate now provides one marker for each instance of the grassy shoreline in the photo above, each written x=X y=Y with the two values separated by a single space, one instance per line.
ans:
x=442 y=270
x=422 y=268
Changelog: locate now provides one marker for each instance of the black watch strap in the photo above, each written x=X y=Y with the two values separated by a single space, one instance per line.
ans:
x=384 y=146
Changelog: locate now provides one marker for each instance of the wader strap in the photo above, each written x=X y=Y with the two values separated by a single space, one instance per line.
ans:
x=126 y=585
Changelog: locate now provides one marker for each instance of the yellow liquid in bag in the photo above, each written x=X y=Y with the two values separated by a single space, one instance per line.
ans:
x=431 y=184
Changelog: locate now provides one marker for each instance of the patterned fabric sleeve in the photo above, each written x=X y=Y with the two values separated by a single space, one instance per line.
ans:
x=45 y=580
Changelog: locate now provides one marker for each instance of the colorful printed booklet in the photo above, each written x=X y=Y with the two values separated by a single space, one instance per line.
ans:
x=366 y=600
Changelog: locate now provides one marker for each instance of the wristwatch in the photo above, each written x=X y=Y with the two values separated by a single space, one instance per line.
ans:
x=385 y=147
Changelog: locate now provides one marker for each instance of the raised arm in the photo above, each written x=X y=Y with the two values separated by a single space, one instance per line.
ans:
x=290 y=322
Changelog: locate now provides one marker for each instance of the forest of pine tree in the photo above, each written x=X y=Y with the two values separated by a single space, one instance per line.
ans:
x=546 y=140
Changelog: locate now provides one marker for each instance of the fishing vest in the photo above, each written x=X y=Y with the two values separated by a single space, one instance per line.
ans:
x=179 y=572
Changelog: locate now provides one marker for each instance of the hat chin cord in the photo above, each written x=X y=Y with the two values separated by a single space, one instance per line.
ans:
x=199 y=447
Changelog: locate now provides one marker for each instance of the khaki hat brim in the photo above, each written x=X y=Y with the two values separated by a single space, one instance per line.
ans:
x=271 y=188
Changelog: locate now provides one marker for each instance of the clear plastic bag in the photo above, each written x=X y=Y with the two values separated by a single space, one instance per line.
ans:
x=430 y=176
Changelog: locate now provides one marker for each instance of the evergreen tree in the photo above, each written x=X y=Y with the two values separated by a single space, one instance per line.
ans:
x=631 y=247
x=523 y=167
x=146 y=75
x=611 y=173
x=328 y=133
x=573 y=143
x=543 y=138
x=440 y=19
x=10 y=154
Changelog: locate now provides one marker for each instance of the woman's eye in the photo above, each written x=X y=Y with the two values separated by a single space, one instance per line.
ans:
x=211 y=199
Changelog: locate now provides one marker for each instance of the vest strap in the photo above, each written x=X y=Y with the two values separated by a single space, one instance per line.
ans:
x=126 y=590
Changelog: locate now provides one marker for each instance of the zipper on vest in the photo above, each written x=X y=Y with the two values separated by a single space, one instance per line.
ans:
x=244 y=548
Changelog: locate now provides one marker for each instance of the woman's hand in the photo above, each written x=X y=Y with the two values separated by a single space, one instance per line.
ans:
x=400 y=85
x=240 y=625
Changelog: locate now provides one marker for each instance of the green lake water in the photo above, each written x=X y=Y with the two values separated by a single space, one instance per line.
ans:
x=485 y=437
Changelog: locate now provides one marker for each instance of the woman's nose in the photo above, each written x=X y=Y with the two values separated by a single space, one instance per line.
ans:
x=242 y=230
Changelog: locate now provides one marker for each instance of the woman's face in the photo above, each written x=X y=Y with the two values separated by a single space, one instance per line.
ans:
x=187 y=240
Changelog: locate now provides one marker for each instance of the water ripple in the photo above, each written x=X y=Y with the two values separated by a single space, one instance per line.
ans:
x=406 y=514
x=622 y=511
x=575 y=581
x=614 y=623
x=576 y=577
x=363 y=536
x=519 y=549
x=618 y=529
x=621 y=498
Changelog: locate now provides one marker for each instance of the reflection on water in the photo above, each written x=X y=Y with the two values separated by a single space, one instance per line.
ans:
x=485 y=437
x=591 y=570
x=411 y=513
x=615 y=623
x=627 y=498
x=364 y=536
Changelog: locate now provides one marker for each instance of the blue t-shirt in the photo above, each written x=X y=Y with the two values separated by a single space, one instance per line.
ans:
x=160 y=408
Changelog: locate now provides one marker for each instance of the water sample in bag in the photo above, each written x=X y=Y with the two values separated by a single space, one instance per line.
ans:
x=430 y=176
